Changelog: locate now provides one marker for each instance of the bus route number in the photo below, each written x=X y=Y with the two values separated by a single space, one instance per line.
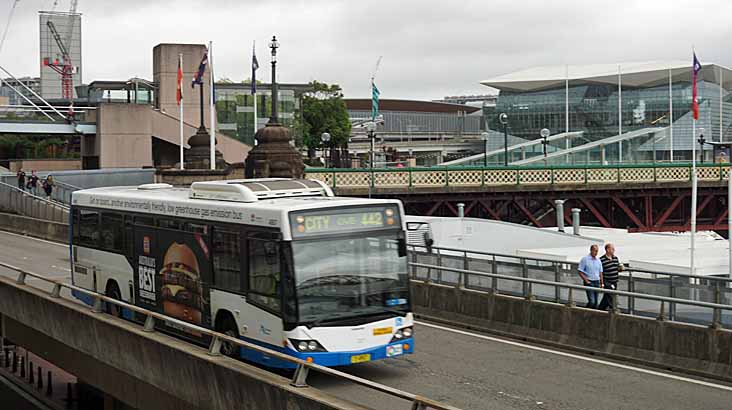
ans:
x=372 y=219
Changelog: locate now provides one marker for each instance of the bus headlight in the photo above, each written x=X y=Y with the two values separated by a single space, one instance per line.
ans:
x=307 y=345
x=400 y=334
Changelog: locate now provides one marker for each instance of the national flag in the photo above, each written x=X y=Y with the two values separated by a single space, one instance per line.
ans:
x=695 y=100
x=255 y=66
x=374 y=101
x=198 y=78
x=179 y=90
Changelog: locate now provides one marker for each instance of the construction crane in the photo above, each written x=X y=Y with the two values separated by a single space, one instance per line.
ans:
x=64 y=67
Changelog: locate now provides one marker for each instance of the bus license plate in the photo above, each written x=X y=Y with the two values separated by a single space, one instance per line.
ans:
x=360 y=358
x=394 y=350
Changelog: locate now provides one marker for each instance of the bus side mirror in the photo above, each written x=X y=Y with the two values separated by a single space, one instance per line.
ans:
x=402 y=244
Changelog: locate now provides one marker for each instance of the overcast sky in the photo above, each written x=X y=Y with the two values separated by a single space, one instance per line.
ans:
x=430 y=48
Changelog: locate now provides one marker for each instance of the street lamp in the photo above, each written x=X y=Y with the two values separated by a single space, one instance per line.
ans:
x=544 y=135
x=274 y=45
x=503 y=118
x=485 y=136
x=371 y=132
x=325 y=138
x=701 y=141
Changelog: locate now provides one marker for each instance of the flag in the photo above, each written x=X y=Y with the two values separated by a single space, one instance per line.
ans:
x=198 y=78
x=179 y=90
x=374 y=101
x=695 y=101
x=255 y=66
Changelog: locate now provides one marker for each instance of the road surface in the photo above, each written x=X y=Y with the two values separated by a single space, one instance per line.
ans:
x=473 y=371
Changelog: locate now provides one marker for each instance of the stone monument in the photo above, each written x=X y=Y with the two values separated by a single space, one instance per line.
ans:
x=274 y=156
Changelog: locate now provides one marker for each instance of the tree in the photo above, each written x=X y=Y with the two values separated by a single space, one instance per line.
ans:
x=323 y=110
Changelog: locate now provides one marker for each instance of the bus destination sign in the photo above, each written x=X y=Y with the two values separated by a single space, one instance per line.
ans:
x=342 y=221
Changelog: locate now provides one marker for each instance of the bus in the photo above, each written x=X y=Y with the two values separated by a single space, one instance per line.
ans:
x=281 y=263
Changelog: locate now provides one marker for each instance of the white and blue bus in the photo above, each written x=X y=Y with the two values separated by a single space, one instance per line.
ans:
x=280 y=263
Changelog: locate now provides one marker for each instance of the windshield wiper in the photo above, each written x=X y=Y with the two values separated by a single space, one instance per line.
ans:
x=376 y=312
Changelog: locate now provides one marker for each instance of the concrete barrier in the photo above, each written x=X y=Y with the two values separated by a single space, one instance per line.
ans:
x=690 y=348
x=52 y=231
x=144 y=370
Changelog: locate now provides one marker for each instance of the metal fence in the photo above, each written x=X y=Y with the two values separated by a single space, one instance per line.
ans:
x=461 y=177
x=685 y=298
x=299 y=378
x=14 y=199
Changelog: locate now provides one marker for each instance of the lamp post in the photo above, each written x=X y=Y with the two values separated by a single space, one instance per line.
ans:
x=503 y=118
x=325 y=138
x=544 y=135
x=274 y=45
x=701 y=141
x=485 y=136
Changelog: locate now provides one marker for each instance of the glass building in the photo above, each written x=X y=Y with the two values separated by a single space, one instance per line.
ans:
x=235 y=108
x=642 y=111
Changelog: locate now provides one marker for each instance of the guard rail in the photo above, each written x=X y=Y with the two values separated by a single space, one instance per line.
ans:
x=299 y=378
x=27 y=204
x=462 y=282
x=464 y=177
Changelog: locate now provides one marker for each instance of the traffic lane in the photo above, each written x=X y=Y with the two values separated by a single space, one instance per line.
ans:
x=473 y=373
x=34 y=255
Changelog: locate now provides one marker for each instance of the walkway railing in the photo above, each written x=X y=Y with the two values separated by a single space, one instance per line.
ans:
x=27 y=113
x=684 y=298
x=303 y=367
x=463 y=177
x=25 y=203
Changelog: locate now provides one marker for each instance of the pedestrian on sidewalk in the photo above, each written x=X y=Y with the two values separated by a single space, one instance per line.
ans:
x=21 y=179
x=610 y=268
x=33 y=183
x=48 y=186
x=590 y=270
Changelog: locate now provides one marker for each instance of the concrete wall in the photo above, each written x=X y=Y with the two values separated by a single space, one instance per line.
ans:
x=45 y=165
x=694 y=349
x=144 y=370
x=93 y=178
x=124 y=135
x=51 y=231
x=165 y=73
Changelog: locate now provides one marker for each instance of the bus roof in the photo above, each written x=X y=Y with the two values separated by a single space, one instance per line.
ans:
x=163 y=199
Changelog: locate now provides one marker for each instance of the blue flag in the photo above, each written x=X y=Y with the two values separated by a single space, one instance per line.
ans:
x=255 y=66
x=198 y=78
x=374 y=101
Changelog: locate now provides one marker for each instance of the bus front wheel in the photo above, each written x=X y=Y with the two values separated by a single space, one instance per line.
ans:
x=114 y=293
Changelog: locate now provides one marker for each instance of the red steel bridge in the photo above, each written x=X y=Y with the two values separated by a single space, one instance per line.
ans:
x=640 y=197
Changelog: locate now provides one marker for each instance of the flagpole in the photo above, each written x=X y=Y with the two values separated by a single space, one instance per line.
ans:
x=620 y=115
x=671 y=113
x=566 y=110
x=212 y=109
x=693 y=193
x=721 y=96
x=254 y=88
x=180 y=115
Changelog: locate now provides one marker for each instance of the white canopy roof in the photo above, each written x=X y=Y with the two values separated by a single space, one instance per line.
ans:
x=643 y=74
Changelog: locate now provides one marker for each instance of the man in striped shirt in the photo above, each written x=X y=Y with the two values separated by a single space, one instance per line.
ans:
x=610 y=267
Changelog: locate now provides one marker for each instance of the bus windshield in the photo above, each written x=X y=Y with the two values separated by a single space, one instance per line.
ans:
x=349 y=277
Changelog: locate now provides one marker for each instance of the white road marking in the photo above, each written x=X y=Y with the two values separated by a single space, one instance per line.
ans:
x=574 y=356
x=63 y=245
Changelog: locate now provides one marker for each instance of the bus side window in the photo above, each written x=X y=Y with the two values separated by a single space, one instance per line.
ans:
x=75 y=226
x=88 y=228
x=226 y=260
x=264 y=273
x=112 y=232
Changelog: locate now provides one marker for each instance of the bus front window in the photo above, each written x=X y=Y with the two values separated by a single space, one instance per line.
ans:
x=349 y=277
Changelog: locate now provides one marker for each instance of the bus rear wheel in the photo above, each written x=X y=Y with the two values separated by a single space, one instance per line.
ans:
x=227 y=326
